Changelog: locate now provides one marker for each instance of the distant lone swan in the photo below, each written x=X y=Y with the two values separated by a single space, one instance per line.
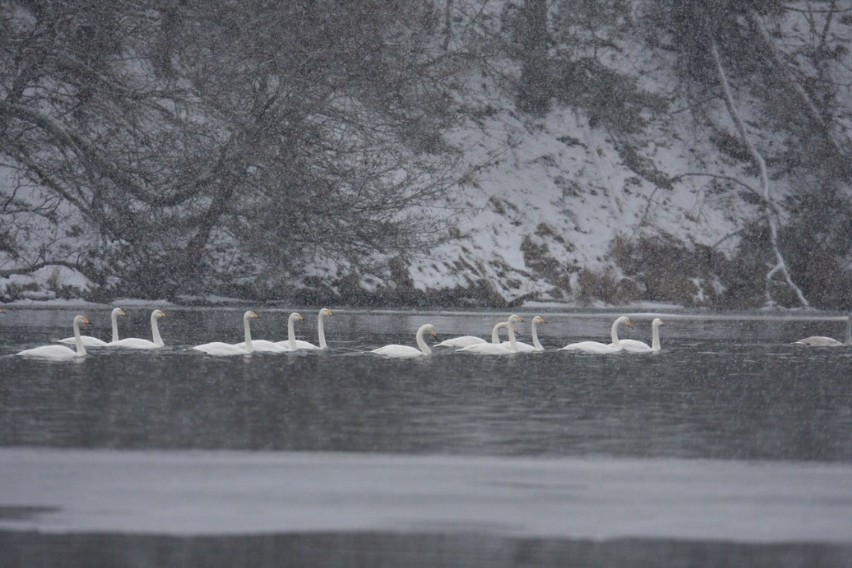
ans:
x=139 y=343
x=404 y=351
x=299 y=344
x=467 y=340
x=601 y=348
x=526 y=347
x=823 y=341
x=221 y=348
x=90 y=341
x=634 y=346
x=500 y=348
x=60 y=352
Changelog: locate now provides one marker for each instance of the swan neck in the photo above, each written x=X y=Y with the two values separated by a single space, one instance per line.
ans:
x=247 y=329
x=614 y=332
x=512 y=341
x=321 y=331
x=114 y=319
x=849 y=330
x=495 y=333
x=421 y=343
x=78 y=341
x=655 y=338
x=534 y=333
x=155 y=331
x=291 y=332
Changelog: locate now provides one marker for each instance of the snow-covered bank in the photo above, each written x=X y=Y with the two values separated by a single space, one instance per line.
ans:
x=228 y=493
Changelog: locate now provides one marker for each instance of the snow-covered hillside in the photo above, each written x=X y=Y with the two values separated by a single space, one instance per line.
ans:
x=568 y=206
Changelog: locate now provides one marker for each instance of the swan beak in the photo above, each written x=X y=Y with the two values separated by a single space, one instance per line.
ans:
x=629 y=324
x=162 y=314
x=122 y=313
x=85 y=321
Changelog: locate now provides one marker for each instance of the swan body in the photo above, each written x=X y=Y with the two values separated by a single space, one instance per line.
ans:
x=467 y=340
x=405 y=351
x=497 y=348
x=536 y=347
x=61 y=352
x=601 y=348
x=634 y=346
x=823 y=341
x=139 y=343
x=90 y=341
x=320 y=333
x=223 y=349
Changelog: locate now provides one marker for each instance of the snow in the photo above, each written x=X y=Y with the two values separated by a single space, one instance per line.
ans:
x=226 y=493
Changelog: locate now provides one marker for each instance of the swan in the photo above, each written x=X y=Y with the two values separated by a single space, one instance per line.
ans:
x=279 y=346
x=499 y=348
x=138 y=343
x=823 y=341
x=221 y=348
x=60 y=352
x=291 y=344
x=634 y=346
x=466 y=340
x=320 y=333
x=601 y=348
x=406 y=351
x=536 y=347
x=90 y=341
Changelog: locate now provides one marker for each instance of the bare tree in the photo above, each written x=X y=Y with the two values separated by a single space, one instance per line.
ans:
x=179 y=134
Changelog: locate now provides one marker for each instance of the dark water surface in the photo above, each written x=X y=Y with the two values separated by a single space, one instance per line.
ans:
x=723 y=389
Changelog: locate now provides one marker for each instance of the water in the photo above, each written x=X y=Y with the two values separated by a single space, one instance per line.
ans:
x=730 y=447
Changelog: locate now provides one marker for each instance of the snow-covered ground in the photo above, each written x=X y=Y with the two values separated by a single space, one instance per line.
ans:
x=227 y=493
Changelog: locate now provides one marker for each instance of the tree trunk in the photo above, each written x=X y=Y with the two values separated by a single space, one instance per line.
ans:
x=768 y=204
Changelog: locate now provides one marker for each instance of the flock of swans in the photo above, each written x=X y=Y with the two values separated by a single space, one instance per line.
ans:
x=463 y=344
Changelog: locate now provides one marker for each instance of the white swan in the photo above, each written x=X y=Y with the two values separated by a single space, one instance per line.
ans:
x=505 y=348
x=138 y=343
x=291 y=344
x=466 y=340
x=60 y=352
x=221 y=348
x=823 y=341
x=274 y=346
x=402 y=351
x=634 y=346
x=90 y=341
x=601 y=348
x=526 y=347
x=320 y=333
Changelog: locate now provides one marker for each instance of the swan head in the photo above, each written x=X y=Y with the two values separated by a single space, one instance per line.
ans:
x=2 y=310
x=119 y=312
x=538 y=319
x=429 y=328
x=81 y=320
x=657 y=322
x=251 y=315
x=625 y=321
x=159 y=314
x=326 y=312
x=295 y=316
x=514 y=318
